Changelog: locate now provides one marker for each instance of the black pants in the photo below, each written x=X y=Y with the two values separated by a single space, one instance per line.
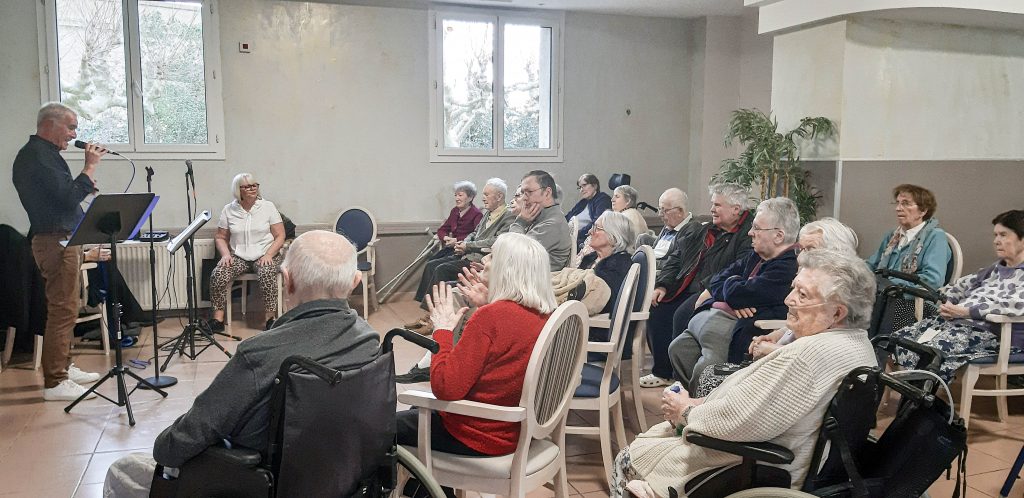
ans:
x=440 y=269
x=407 y=427
x=661 y=329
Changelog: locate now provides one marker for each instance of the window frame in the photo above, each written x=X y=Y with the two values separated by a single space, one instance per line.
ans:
x=555 y=20
x=49 y=81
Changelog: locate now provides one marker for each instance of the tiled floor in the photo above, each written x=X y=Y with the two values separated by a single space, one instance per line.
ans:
x=45 y=452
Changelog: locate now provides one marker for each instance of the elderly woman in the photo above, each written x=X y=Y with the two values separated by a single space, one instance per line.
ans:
x=960 y=331
x=611 y=240
x=624 y=199
x=489 y=364
x=462 y=219
x=592 y=203
x=250 y=234
x=917 y=246
x=781 y=398
x=752 y=288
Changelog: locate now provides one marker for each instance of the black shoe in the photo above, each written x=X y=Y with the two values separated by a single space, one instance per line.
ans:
x=216 y=325
x=270 y=323
x=416 y=374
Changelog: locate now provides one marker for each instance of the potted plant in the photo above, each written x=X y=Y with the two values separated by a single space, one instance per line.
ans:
x=772 y=159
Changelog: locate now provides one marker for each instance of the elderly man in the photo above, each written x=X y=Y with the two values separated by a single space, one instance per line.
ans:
x=695 y=256
x=319 y=272
x=752 y=288
x=677 y=221
x=52 y=198
x=541 y=217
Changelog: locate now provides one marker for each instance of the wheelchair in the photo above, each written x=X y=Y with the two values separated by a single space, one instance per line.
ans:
x=922 y=441
x=332 y=434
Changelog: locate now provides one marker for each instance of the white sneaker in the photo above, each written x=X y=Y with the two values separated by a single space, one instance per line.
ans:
x=79 y=376
x=67 y=390
x=651 y=380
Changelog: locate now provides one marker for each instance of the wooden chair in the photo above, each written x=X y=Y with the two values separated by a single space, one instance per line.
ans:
x=360 y=227
x=83 y=297
x=551 y=377
x=1001 y=365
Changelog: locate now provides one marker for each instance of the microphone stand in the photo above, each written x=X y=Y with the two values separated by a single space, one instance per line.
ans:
x=156 y=380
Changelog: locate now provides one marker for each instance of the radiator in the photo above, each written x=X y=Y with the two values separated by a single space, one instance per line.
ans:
x=133 y=262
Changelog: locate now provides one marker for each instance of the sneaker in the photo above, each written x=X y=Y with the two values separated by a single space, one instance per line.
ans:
x=216 y=325
x=79 y=376
x=651 y=380
x=270 y=323
x=416 y=374
x=67 y=390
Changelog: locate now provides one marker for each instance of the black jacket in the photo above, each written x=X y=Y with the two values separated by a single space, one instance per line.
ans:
x=22 y=290
x=686 y=251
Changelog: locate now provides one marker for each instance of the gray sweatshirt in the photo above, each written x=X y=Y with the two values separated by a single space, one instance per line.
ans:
x=552 y=231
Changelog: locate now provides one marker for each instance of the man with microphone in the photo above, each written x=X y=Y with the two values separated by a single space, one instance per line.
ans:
x=52 y=198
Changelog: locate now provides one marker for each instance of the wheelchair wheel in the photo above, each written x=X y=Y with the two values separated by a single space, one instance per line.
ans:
x=410 y=467
x=770 y=493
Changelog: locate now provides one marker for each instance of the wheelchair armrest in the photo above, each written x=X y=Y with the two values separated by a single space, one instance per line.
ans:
x=238 y=455
x=424 y=399
x=761 y=452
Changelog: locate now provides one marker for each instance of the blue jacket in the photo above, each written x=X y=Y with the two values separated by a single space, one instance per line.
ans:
x=931 y=265
x=596 y=205
x=766 y=291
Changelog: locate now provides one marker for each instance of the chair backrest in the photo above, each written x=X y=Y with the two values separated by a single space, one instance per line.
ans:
x=358 y=225
x=619 y=318
x=644 y=256
x=956 y=263
x=554 y=369
x=316 y=429
x=574 y=235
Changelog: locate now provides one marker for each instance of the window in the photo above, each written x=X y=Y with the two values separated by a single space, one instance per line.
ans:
x=143 y=75
x=496 y=88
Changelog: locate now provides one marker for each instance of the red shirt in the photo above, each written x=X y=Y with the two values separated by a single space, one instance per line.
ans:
x=487 y=365
x=460 y=226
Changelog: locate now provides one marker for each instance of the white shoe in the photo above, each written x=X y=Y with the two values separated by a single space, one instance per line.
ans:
x=67 y=390
x=651 y=380
x=79 y=376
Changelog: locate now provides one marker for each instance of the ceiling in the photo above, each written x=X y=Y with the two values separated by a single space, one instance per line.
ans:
x=648 y=8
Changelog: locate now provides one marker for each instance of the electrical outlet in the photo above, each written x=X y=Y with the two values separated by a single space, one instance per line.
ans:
x=244 y=47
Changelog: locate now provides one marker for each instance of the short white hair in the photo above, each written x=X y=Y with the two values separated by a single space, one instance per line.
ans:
x=834 y=234
x=52 y=111
x=236 y=184
x=466 y=186
x=630 y=194
x=734 y=194
x=850 y=282
x=674 y=197
x=321 y=263
x=499 y=185
x=520 y=272
x=783 y=215
x=618 y=229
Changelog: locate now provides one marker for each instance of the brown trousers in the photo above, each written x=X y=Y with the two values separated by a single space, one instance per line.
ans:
x=61 y=269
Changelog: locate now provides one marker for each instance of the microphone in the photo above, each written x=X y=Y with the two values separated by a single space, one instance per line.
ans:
x=190 y=175
x=81 y=145
x=644 y=205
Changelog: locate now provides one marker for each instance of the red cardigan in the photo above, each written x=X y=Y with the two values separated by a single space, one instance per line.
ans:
x=460 y=226
x=488 y=365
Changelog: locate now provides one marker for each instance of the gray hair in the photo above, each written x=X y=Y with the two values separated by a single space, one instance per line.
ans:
x=734 y=194
x=466 y=186
x=321 y=264
x=783 y=215
x=675 y=197
x=629 y=193
x=520 y=272
x=499 y=185
x=850 y=283
x=834 y=234
x=52 y=111
x=619 y=229
x=236 y=184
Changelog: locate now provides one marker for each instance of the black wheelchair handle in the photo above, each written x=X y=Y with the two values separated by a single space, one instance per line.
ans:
x=419 y=340
x=908 y=391
x=909 y=277
x=308 y=364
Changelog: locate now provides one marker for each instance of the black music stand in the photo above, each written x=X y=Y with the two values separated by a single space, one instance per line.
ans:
x=112 y=218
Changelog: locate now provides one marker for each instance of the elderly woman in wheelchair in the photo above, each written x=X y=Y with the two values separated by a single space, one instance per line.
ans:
x=780 y=399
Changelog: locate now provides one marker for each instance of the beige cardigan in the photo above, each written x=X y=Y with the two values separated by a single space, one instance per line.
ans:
x=780 y=398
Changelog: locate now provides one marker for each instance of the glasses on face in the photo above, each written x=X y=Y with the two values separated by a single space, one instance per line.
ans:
x=526 y=192
x=251 y=186
x=666 y=211
x=762 y=229
x=903 y=204
x=596 y=228
x=582 y=186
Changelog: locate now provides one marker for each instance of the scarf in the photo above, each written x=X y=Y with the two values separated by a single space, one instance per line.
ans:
x=910 y=257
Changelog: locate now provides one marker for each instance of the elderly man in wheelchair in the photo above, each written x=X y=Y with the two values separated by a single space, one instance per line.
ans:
x=235 y=410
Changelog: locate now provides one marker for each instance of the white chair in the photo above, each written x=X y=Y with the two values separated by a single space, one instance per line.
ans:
x=551 y=377
x=243 y=280
x=644 y=256
x=955 y=268
x=360 y=227
x=1000 y=366
x=83 y=298
x=600 y=385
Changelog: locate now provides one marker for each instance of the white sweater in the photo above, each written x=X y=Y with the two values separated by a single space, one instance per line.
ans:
x=781 y=398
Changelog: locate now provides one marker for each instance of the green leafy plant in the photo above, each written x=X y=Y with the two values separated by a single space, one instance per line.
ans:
x=771 y=159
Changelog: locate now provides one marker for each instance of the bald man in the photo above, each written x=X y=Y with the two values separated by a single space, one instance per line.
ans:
x=319 y=273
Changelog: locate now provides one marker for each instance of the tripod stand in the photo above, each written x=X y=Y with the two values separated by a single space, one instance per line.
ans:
x=194 y=325
x=104 y=218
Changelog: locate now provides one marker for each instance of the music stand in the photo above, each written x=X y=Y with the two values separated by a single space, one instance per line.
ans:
x=112 y=218
x=194 y=325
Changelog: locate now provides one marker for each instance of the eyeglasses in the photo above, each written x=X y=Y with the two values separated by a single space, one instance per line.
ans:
x=596 y=228
x=665 y=211
x=760 y=229
x=529 y=192
x=903 y=204
x=251 y=186
x=580 y=186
